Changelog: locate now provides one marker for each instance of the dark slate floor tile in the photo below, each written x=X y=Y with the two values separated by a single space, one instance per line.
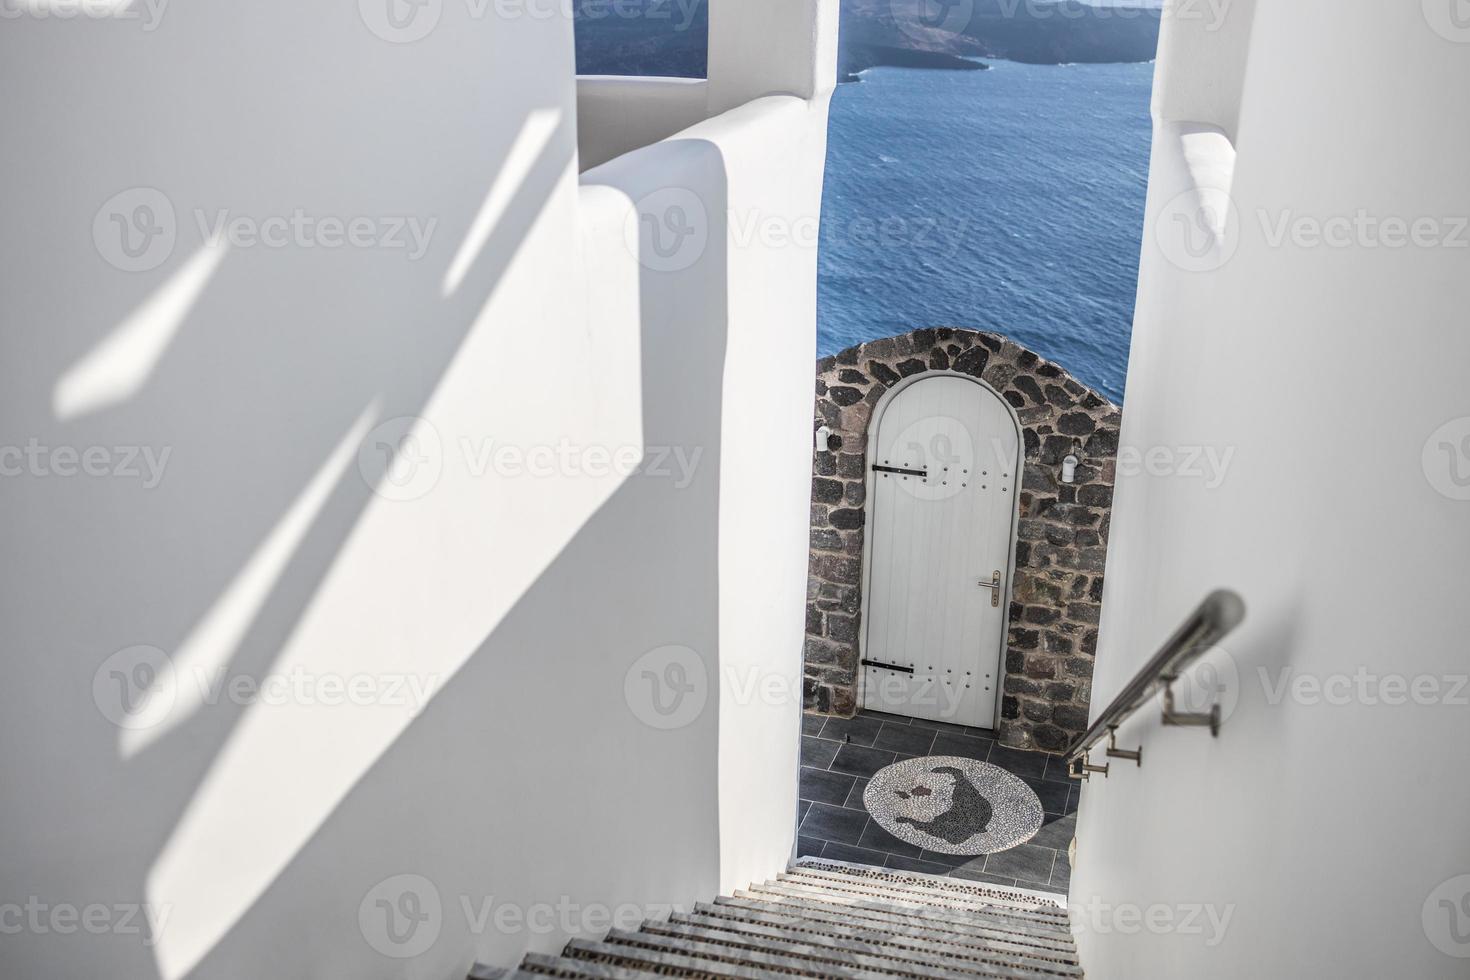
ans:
x=1061 y=875
x=1053 y=795
x=1056 y=832
x=817 y=753
x=961 y=745
x=859 y=760
x=900 y=863
x=822 y=786
x=802 y=807
x=1074 y=798
x=811 y=724
x=881 y=840
x=853 y=855
x=884 y=716
x=809 y=847
x=952 y=861
x=1056 y=769
x=837 y=823
x=858 y=731
x=938 y=726
x=1025 y=862
x=969 y=874
x=905 y=739
x=855 y=796
x=1018 y=762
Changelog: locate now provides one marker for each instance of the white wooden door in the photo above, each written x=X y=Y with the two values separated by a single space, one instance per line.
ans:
x=944 y=460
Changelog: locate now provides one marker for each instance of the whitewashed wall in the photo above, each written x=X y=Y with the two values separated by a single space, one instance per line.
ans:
x=1328 y=380
x=532 y=348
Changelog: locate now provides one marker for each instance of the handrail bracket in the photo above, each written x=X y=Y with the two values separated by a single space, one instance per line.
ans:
x=1116 y=753
x=1190 y=719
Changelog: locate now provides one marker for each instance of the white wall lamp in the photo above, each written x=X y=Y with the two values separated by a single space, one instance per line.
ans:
x=824 y=439
x=1070 y=464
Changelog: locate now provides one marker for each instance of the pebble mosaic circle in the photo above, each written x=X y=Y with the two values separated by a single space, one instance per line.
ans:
x=953 y=806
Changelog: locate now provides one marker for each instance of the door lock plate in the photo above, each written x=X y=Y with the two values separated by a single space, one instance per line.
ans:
x=995 y=588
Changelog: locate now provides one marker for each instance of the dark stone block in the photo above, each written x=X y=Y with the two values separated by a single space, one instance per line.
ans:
x=850 y=465
x=883 y=374
x=1052 y=739
x=911 y=367
x=830 y=568
x=991 y=340
x=1016 y=399
x=1033 y=444
x=825 y=465
x=826 y=539
x=845 y=396
x=1096 y=495
x=847 y=519
x=972 y=361
x=1020 y=685
x=1054 y=449
x=1060 y=693
x=850 y=376
x=1015 y=661
x=1049 y=370
x=1037 y=711
x=1010 y=708
x=843 y=629
x=1039 y=669
x=813 y=622
x=1024 y=639
x=938 y=360
x=1027 y=385
x=1102 y=443
x=1070 y=717
x=857 y=493
x=827 y=491
x=849 y=356
x=1059 y=396
x=1076 y=424
x=924 y=338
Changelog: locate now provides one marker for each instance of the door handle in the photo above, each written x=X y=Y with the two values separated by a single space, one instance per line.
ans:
x=994 y=586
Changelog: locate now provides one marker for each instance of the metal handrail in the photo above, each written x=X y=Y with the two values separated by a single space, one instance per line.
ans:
x=1220 y=613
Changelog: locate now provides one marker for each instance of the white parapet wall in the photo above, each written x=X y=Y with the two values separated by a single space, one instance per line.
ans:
x=405 y=543
x=1296 y=428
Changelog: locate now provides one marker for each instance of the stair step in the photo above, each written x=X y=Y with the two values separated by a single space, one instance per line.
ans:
x=671 y=957
x=965 y=918
x=1054 y=918
x=897 y=937
x=928 y=881
x=926 y=891
x=877 y=952
x=870 y=915
x=538 y=966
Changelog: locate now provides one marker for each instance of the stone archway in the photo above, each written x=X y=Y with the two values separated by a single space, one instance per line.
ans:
x=1061 y=545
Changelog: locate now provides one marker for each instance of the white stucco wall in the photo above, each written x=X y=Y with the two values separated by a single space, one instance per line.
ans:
x=1321 y=828
x=528 y=345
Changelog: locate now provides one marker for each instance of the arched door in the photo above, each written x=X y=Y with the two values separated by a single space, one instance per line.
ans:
x=944 y=458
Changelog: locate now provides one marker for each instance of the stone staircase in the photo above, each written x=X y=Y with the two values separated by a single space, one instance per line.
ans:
x=830 y=919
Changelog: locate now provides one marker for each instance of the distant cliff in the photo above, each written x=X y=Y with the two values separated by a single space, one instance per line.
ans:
x=667 y=37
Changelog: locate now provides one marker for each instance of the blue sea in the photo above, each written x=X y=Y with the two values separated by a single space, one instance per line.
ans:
x=1008 y=200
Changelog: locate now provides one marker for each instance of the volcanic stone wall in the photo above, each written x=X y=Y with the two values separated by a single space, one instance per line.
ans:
x=1062 y=545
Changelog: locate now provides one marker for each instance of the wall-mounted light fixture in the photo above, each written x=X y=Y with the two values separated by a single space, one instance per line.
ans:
x=824 y=439
x=1070 y=464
